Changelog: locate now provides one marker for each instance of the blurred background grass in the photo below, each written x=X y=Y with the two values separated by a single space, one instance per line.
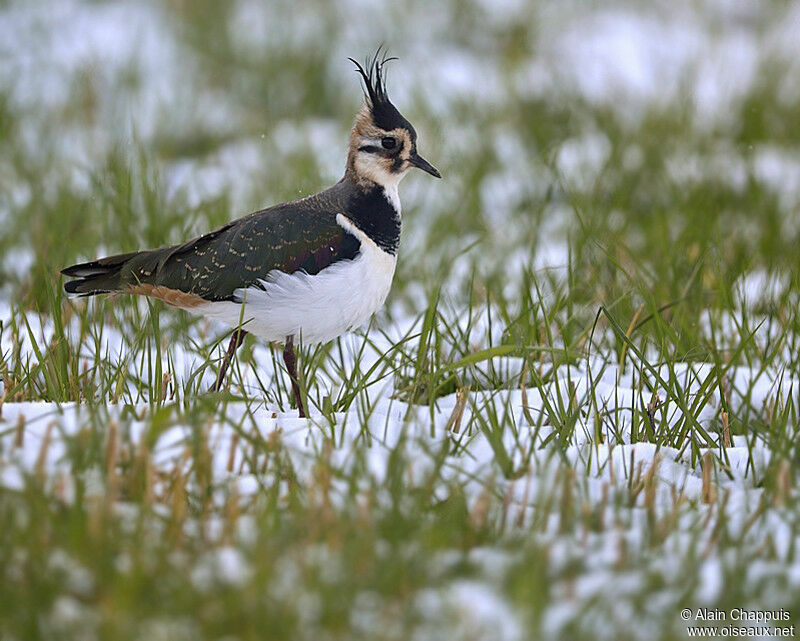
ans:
x=663 y=139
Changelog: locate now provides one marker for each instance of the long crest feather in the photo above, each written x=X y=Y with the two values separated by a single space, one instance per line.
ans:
x=374 y=77
x=384 y=113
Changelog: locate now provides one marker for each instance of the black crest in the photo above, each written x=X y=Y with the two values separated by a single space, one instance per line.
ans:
x=384 y=113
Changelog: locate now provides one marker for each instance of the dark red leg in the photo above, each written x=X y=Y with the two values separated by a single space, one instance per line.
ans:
x=290 y=360
x=237 y=338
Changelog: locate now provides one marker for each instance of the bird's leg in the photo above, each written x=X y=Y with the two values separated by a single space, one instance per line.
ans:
x=290 y=360
x=237 y=338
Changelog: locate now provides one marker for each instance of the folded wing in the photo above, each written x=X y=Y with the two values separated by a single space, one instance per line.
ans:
x=288 y=238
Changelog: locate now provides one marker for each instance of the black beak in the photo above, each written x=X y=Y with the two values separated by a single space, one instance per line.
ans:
x=420 y=163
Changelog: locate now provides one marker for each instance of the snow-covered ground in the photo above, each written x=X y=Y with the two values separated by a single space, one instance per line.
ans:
x=603 y=465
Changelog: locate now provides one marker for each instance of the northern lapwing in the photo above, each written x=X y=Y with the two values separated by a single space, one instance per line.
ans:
x=305 y=271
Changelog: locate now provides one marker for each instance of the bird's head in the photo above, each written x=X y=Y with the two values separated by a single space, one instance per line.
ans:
x=383 y=144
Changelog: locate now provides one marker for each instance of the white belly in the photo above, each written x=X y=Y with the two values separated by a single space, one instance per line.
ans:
x=312 y=308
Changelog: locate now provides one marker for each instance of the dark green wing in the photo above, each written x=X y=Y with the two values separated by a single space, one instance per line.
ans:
x=296 y=236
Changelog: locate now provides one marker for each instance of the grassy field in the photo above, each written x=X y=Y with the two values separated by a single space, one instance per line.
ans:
x=577 y=414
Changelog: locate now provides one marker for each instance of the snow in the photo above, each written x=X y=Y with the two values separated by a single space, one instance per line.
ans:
x=478 y=610
x=42 y=431
x=365 y=438
x=224 y=565
x=46 y=428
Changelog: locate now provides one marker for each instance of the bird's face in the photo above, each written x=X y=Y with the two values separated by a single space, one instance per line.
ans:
x=384 y=155
x=383 y=144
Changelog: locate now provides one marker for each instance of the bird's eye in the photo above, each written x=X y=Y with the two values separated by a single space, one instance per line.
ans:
x=388 y=142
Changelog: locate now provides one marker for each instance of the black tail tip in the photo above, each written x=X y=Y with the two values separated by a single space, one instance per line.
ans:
x=71 y=287
x=84 y=287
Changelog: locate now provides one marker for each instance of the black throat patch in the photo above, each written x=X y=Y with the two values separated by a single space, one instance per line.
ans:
x=373 y=214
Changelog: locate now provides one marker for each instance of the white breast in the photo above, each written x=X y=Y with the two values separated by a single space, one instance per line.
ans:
x=314 y=308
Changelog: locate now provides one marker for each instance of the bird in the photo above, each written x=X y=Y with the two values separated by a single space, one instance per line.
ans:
x=304 y=271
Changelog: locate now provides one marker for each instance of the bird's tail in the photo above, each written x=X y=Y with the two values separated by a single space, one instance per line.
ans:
x=98 y=276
